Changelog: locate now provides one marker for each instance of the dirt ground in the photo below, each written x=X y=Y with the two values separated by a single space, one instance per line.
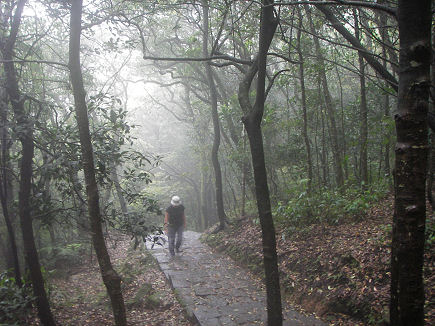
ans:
x=340 y=272
x=81 y=300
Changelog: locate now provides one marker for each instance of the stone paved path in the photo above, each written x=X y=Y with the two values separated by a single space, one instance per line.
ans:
x=215 y=291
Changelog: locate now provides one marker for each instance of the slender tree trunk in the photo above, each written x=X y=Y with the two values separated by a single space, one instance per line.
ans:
x=5 y=184
x=11 y=232
x=252 y=121
x=111 y=279
x=118 y=189
x=244 y=175
x=316 y=148
x=26 y=138
x=387 y=135
x=203 y=194
x=304 y=105
x=363 y=111
x=431 y=164
x=343 y=128
x=407 y=289
x=338 y=162
x=215 y=117
x=324 y=154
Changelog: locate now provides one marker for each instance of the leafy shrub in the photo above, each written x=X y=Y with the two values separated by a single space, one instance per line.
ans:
x=63 y=256
x=15 y=303
x=326 y=206
x=145 y=296
x=140 y=227
x=430 y=232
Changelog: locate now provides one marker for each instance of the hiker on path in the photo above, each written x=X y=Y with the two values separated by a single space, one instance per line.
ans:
x=175 y=222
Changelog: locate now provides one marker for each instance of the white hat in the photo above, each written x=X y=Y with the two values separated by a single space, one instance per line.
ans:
x=175 y=201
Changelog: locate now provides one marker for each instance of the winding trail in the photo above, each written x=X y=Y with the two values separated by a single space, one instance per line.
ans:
x=217 y=292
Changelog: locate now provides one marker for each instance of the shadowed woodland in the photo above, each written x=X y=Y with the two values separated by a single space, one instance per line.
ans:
x=298 y=134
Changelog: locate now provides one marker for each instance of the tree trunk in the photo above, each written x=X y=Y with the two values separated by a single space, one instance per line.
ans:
x=431 y=171
x=244 y=175
x=383 y=21
x=338 y=162
x=26 y=138
x=324 y=154
x=111 y=279
x=118 y=189
x=304 y=105
x=215 y=117
x=5 y=186
x=11 y=233
x=363 y=111
x=203 y=194
x=343 y=127
x=252 y=121
x=407 y=289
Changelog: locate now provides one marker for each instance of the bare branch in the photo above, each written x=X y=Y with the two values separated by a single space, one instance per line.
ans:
x=272 y=80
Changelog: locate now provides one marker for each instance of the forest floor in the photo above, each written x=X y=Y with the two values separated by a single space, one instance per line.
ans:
x=80 y=299
x=340 y=272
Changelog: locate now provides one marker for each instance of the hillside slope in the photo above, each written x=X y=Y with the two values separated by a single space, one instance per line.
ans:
x=340 y=272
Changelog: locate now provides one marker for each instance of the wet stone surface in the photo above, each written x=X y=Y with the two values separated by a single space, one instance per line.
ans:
x=215 y=291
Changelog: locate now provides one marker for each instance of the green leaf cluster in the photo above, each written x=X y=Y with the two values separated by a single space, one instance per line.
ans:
x=15 y=302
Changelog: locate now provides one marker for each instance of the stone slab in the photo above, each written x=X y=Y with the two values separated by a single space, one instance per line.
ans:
x=215 y=291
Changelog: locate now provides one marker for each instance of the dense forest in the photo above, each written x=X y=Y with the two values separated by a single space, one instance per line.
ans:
x=291 y=117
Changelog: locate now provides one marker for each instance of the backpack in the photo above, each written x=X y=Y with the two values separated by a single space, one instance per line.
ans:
x=175 y=214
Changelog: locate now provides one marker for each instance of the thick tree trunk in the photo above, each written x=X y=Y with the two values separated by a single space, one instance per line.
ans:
x=215 y=117
x=252 y=122
x=338 y=161
x=26 y=138
x=111 y=279
x=407 y=289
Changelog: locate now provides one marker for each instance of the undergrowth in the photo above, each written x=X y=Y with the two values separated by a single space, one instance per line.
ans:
x=15 y=302
x=326 y=206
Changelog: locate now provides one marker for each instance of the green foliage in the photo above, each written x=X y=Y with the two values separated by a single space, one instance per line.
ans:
x=139 y=226
x=15 y=303
x=430 y=232
x=146 y=296
x=326 y=206
x=63 y=256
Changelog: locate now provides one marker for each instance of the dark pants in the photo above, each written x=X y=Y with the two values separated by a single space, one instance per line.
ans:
x=175 y=237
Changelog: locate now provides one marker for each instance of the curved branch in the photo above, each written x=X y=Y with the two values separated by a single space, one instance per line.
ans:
x=272 y=80
x=368 y=56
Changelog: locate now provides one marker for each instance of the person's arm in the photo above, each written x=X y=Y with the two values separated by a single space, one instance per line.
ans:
x=184 y=220
x=166 y=222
